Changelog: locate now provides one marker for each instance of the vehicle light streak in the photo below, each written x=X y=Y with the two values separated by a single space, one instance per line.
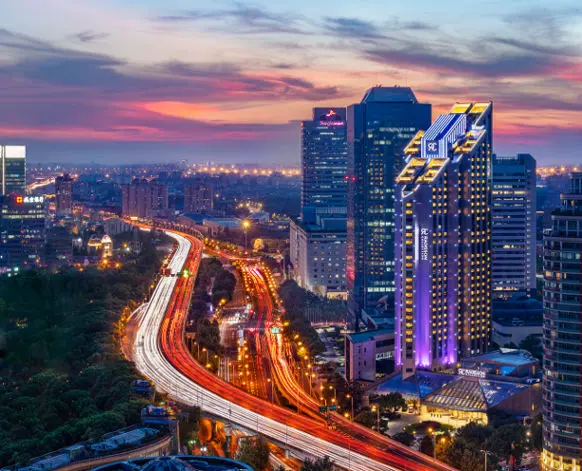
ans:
x=161 y=355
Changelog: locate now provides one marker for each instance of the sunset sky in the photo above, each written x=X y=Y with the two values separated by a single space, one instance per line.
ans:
x=160 y=80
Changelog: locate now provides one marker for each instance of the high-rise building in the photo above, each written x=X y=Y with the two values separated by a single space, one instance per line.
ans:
x=443 y=241
x=378 y=130
x=64 y=194
x=513 y=214
x=317 y=252
x=324 y=163
x=12 y=170
x=562 y=334
x=22 y=230
x=144 y=199
x=198 y=196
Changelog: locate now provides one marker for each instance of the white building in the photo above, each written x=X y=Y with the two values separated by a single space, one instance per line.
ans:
x=318 y=256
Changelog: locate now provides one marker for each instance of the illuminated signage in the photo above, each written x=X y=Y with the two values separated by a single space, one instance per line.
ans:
x=424 y=234
x=19 y=199
x=31 y=199
x=432 y=147
x=472 y=373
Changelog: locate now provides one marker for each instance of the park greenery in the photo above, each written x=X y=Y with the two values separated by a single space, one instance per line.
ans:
x=254 y=451
x=297 y=302
x=214 y=286
x=63 y=379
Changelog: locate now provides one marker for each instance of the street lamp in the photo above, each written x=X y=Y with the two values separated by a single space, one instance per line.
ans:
x=377 y=410
x=246 y=224
x=433 y=442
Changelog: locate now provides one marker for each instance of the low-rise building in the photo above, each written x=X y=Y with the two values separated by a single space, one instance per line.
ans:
x=505 y=380
x=369 y=354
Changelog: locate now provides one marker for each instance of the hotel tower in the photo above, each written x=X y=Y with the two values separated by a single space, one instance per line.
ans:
x=443 y=241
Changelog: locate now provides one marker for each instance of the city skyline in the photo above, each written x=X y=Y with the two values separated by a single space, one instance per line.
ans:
x=157 y=81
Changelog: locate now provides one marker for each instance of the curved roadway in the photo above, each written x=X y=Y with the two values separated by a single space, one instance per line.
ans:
x=160 y=354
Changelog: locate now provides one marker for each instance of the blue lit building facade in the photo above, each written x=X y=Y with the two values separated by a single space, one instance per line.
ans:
x=562 y=335
x=513 y=225
x=12 y=169
x=443 y=241
x=378 y=130
x=324 y=164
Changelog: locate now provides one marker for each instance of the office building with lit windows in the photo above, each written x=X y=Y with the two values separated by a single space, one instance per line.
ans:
x=513 y=230
x=562 y=334
x=443 y=241
x=12 y=170
x=64 y=194
x=22 y=231
x=378 y=130
x=324 y=163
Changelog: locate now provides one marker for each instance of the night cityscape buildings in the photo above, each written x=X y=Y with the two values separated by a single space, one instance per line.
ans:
x=562 y=334
x=22 y=231
x=323 y=163
x=64 y=194
x=317 y=241
x=12 y=170
x=144 y=198
x=513 y=231
x=443 y=241
x=378 y=130
x=198 y=196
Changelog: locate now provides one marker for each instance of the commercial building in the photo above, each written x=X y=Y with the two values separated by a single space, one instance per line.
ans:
x=562 y=334
x=198 y=196
x=443 y=241
x=317 y=253
x=513 y=230
x=64 y=194
x=144 y=199
x=22 y=231
x=324 y=163
x=504 y=380
x=12 y=170
x=369 y=354
x=515 y=319
x=378 y=130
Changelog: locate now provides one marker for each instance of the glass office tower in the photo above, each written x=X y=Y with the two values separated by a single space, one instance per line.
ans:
x=514 y=225
x=562 y=334
x=443 y=241
x=12 y=170
x=323 y=161
x=378 y=130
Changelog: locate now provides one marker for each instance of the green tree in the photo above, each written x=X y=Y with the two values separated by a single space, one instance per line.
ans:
x=427 y=445
x=392 y=401
x=319 y=464
x=405 y=438
x=254 y=452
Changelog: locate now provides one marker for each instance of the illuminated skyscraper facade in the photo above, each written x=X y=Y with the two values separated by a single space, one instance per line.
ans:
x=64 y=194
x=513 y=229
x=324 y=164
x=22 y=231
x=12 y=170
x=378 y=130
x=443 y=241
x=562 y=335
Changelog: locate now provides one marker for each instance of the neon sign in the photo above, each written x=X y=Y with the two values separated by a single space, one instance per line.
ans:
x=424 y=244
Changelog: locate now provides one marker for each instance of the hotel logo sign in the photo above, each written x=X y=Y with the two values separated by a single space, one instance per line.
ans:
x=424 y=236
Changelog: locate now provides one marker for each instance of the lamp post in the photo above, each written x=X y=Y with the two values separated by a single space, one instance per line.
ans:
x=430 y=432
x=485 y=454
x=246 y=224
x=377 y=410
